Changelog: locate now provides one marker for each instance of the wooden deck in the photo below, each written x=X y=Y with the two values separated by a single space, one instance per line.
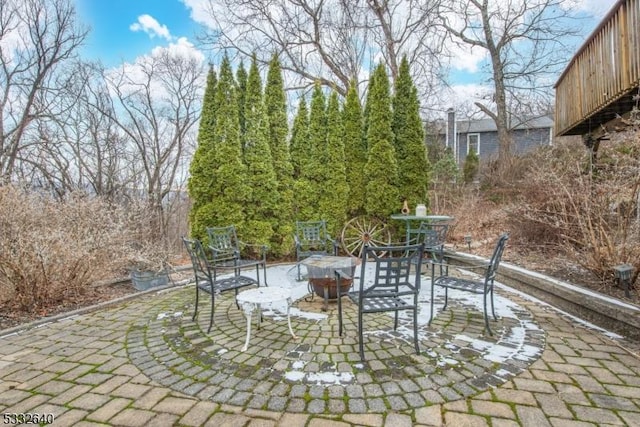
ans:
x=602 y=78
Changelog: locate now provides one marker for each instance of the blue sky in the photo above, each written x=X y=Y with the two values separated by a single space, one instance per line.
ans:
x=112 y=39
x=122 y=30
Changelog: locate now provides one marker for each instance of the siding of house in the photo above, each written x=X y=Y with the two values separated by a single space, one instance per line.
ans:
x=524 y=140
x=525 y=137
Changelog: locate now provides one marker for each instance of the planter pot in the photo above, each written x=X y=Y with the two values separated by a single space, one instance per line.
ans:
x=143 y=280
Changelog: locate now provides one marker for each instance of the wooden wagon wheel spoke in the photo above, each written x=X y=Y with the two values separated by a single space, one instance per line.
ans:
x=352 y=246
x=363 y=230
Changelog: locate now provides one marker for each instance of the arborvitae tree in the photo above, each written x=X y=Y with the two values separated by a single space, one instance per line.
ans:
x=355 y=151
x=299 y=138
x=300 y=157
x=314 y=171
x=365 y=112
x=276 y=110
x=227 y=189
x=413 y=165
x=333 y=199
x=263 y=202
x=241 y=90
x=470 y=167
x=381 y=169
x=200 y=170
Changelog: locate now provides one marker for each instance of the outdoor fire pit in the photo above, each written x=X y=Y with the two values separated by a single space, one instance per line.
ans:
x=321 y=274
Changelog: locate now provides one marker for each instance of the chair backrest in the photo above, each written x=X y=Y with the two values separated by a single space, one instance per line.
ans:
x=432 y=235
x=311 y=233
x=393 y=268
x=198 y=256
x=492 y=269
x=224 y=242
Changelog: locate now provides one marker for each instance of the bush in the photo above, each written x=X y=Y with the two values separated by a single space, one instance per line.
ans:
x=470 y=168
x=592 y=217
x=51 y=250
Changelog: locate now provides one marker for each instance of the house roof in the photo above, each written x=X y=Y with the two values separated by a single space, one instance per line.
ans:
x=488 y=125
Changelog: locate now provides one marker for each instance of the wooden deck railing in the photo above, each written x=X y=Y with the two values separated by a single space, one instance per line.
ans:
x=606 y=68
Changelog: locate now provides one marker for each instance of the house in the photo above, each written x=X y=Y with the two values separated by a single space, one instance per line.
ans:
x=482 y=135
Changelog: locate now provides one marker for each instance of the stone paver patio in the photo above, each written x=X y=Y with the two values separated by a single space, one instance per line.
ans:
x=144 y=362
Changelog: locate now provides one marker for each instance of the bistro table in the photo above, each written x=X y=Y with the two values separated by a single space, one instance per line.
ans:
x=254 y=298
x=412 y=219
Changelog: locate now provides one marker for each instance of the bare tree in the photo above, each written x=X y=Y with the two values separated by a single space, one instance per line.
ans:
x=36 y=37
x=527 y=43
x=157 y=104
x=79 y=147
x=98 y=147
x=330 y=41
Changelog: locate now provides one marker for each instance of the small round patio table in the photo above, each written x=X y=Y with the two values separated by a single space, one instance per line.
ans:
x=254 y=298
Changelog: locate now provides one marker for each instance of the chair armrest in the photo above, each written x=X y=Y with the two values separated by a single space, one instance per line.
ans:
x=341 y=275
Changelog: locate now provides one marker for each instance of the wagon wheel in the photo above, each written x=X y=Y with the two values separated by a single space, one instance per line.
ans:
x=363 y=230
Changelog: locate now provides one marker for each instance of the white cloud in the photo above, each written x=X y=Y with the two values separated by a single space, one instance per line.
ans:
x=201 y=12
x=151 y=26
x=181 y=48
x=465 y=57
x=466 y=95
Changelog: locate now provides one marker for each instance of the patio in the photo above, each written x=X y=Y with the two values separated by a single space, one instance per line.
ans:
x=321 y=371
x=146 y=362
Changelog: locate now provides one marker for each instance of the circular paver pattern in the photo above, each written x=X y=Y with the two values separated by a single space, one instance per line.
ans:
x=321 y=372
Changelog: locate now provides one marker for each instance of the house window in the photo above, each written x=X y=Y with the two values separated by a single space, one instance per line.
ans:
x=473 y=143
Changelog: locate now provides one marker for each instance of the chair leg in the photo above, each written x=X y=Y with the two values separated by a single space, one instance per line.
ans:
x=415 y=328
x=432 y=294
x=446 y=298
x=360 y=335
x=211 y=316
x=264 y=272
x=486 y=316
x=339 y=309
x=493 y=308
x=195 y=312
x=395 y=321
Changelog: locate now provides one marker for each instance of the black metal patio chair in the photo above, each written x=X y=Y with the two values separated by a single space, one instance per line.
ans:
x=312 y=238
x=433 y=236
x=394 y=286
x=206 y=280
x=226 y=253
x=482 y=287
